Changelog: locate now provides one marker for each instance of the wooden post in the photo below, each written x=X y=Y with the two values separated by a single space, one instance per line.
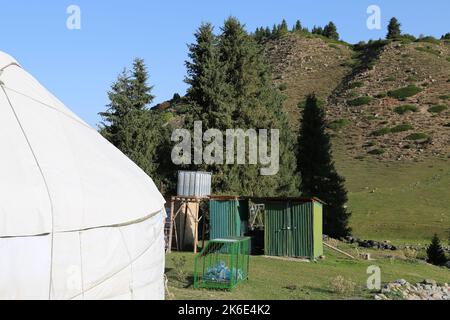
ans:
x=186 y=212
x=180 y=238
x=203 y=233
x=172 y=208
x=196 y=226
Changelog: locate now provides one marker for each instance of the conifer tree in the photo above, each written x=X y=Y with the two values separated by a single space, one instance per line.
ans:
x=446 y=36
x=128 y=123
x=298 y=26
x=258 y=106
x=317 y=30
x=283 y=28
x=394 y=30
x=231 y=88
x=274 y=33
x=435 y=252
x=319 y=177
x=259 y=34
x=208 y=90
x=330 y=31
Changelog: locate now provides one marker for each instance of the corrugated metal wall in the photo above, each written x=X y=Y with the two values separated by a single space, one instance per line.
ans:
x=276 y=240
x=290 y=230
x=302 y=230
x=194 y=184
x=228 y=218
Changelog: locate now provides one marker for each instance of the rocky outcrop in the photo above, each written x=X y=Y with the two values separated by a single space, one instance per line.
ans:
x=403 y=290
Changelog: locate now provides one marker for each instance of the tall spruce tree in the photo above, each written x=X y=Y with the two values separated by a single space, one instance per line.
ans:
x=298 y=26
x=283 y=28
x=435 y=252
x=231 y=89
x=446 y=36
x=207 y=94
x=319 y=177
x=317 y=30
x=258 y=105
x=330 y=31
x=394 y=30
x=128 y=123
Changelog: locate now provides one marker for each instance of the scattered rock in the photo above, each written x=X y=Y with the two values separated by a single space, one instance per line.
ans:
x=401 y=282
x=426 y=290
x=429 y=282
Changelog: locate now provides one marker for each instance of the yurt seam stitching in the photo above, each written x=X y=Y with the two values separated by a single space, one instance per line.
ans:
x=50 y=107
x=10 y=65
x=46 y=186
x=114 y=225
x=87 y=229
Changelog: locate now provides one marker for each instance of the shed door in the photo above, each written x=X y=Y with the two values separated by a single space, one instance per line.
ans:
x=302 y=244
x=278 y=231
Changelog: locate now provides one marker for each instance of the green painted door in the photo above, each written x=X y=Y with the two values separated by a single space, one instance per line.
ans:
x=278 y=230
x=290 y=230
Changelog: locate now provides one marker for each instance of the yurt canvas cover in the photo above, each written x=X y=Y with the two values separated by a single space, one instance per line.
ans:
x=78 y=219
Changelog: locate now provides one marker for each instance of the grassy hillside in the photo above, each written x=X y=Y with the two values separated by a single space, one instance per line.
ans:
x=389 y=114
x=302 y=64
x=400 y=105
x=405 y=202
x=279 y=279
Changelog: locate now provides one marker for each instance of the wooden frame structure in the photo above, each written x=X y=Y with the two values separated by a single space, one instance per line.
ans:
x=183 y=204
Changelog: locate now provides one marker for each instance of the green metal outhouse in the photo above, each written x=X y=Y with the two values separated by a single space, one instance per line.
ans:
x=293 y=227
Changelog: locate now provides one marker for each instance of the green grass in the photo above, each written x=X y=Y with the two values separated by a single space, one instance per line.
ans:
x=437 y=108
x=371 y=118
x=405 y=108
x=381 y=132
x=293 y=280
x=376 y=152
x=401 y=128
x=360 y=101
x=428 y=49
x=417 y=136
x=356 y=84
x=396 y=129
x=405 y=92
x=405 y=202
x=381 y=95
x=390 y=79
x=339 y=124
x=445 y=97
x=334 y=46
x=429 y=39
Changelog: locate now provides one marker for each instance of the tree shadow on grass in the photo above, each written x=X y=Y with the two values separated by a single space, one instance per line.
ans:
x=190 y=282
x=326 y=291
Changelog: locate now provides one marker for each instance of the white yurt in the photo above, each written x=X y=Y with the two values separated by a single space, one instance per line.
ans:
x=78 y=219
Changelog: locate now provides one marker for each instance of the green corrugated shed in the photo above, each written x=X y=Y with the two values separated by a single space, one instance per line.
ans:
x=228 y=218
x=293 y=228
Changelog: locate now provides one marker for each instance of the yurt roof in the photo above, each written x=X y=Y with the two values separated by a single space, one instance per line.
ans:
x=57 y=174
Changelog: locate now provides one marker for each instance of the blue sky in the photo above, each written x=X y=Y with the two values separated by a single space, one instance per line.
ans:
x=78 y=66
